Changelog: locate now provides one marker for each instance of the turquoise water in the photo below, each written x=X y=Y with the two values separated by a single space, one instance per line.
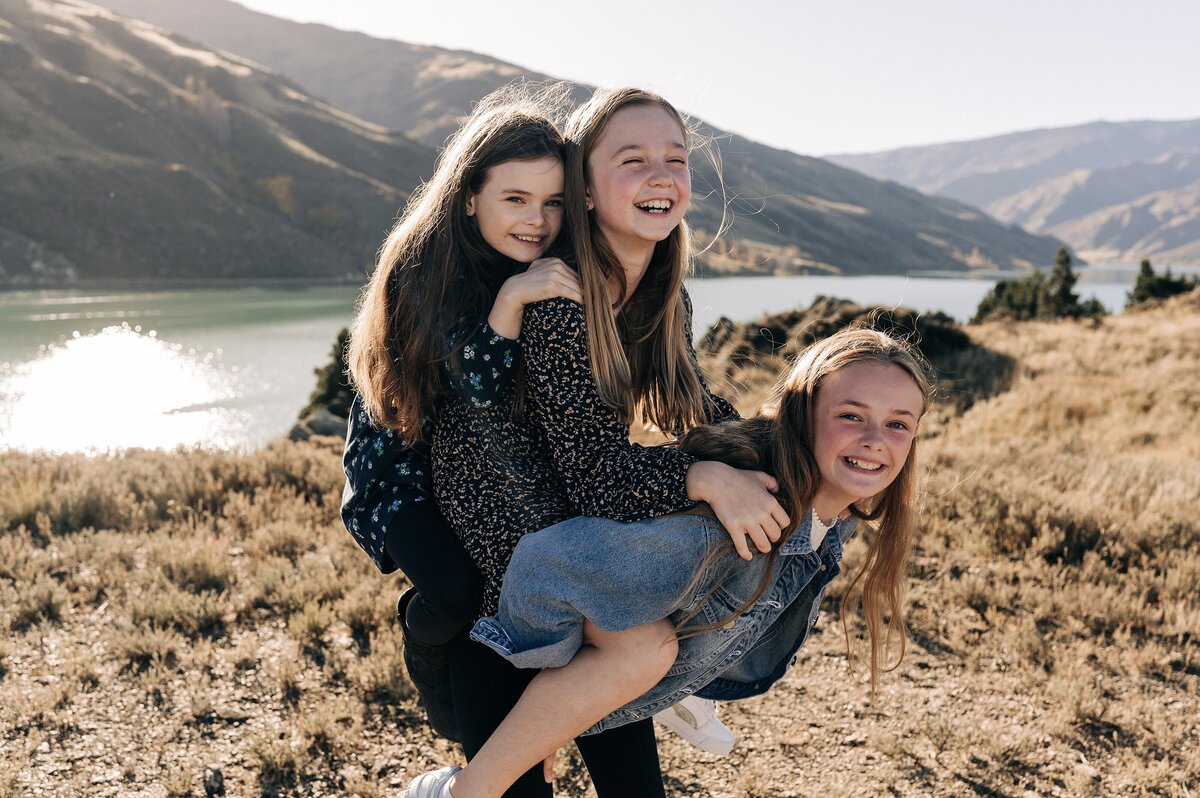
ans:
x=107 y=370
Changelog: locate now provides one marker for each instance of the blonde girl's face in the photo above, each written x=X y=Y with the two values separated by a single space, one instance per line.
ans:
x=864 y=422
x=519 y=209
x=639 y=184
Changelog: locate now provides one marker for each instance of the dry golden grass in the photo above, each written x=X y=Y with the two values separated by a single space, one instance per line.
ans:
x=166 y=612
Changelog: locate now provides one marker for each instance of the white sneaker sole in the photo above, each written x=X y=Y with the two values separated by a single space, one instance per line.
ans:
x=694 y=720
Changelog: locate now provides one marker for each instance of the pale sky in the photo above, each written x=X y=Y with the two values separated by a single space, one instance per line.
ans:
x=835 y=76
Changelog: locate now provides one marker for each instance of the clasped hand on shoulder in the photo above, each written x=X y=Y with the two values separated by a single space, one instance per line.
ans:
x=544 y=279
x=742 y=501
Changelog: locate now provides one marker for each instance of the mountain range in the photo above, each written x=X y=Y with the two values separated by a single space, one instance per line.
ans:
x=131 y=153
x=219 y=142
x=1115 y=192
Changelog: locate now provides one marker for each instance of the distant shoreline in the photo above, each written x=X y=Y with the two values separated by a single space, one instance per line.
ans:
x=178 y=283
x=299 y=283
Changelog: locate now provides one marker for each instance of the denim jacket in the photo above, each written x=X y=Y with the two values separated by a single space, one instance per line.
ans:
x=621 y=575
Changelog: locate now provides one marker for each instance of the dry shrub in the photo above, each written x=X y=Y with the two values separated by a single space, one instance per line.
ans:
x=289 y=676
x=177 y=782
x=199 y=565
x=40 y=602
x=381 y=676
x=168 y=607
x=308 y=626
x=281 y=539
x=332 y=729
x=279 y=757
x=141 y=647
x=364 y=609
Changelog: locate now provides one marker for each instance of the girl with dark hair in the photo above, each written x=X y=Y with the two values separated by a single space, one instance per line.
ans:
x=440 y=317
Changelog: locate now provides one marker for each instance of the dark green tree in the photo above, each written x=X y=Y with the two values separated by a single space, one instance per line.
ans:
x=1038 y=296
x=333 y=390
x=1019 y=298
x=1150 y=285
x=1059 y=299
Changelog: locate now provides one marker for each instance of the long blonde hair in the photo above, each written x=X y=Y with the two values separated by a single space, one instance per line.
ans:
x=436 y=274
x=640 y=362
x=781 y=442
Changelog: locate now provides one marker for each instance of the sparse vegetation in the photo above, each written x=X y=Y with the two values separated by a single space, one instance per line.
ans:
x=179 y=608
x=1039 y=296
x=333 y=391
x=1150 y=285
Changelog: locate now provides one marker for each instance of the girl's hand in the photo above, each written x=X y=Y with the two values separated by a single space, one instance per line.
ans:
x=545 y=278
x=742 y=501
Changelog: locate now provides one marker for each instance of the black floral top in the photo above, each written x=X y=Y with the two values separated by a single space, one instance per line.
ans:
x=498 y=477
x=383 y=475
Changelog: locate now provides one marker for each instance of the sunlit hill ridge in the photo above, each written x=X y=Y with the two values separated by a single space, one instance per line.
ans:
x=130 y=151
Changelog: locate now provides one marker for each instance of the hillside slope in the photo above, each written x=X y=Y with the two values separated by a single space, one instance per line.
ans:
x=1070 y=183
x=790 y=213
x=129 y=152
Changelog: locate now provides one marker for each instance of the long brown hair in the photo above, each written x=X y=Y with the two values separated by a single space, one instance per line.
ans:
x=780 y=442
x=435 y=274
x=639 y=362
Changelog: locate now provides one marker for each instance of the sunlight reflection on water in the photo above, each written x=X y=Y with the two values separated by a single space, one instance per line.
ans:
x=116 y=389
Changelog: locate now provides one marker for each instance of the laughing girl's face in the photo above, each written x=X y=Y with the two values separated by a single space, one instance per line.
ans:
x=638 y=179
x=864 y=421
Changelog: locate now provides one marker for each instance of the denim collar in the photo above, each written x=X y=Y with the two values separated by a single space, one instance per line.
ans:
x=801 y=540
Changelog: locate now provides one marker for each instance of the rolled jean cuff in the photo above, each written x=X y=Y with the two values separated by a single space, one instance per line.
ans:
x=553 y=655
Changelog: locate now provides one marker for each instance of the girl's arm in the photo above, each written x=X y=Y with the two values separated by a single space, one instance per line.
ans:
x=382 y=476
x=603 y=473
x=544 y=279
x=489 y=358
x=488 y=365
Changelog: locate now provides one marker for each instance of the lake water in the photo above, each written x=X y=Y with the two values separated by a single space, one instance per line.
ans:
x=102 y=371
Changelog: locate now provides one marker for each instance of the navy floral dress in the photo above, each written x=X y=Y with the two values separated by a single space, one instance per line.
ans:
x=383 y=475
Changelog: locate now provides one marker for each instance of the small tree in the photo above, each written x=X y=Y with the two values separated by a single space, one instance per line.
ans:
x=1059 y=299
x=1038 y=296
x=1157 y=286
x=333 y=391
x=1019 y=298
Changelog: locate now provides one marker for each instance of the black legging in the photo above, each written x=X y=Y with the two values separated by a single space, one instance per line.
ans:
x=449 y=586
x=622 y=762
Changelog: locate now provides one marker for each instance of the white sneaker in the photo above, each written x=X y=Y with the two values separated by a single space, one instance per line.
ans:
x=434 y=784
x=695 y=720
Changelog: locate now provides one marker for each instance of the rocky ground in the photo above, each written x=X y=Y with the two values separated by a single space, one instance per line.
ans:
x=170 y=616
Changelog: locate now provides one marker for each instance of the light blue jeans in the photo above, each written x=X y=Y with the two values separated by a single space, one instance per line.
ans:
x=621 y=575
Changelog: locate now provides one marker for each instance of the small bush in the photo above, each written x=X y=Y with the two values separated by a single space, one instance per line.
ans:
x=142 y=646
x=381 y=676
x=1038 y=296
x=1150 y=285
x=41 y=602
x=280 y=758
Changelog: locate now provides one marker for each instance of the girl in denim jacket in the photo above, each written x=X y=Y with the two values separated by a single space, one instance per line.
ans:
x=840 y=439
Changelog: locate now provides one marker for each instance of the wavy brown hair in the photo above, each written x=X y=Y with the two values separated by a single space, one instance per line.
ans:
x=436 y=276
x=780 y=442
x=639 y=361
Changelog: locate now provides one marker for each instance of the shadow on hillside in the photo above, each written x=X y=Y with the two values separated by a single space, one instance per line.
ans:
x=971 y=375
x=967 y=372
